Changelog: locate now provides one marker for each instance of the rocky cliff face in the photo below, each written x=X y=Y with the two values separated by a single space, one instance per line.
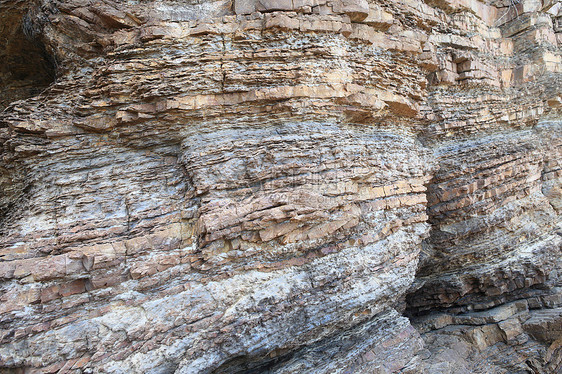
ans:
x=260 y=186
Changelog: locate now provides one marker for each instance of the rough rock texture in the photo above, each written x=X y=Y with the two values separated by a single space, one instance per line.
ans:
x=304 y=186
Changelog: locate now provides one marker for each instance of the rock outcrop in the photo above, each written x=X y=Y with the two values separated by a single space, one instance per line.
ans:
x=304 y=186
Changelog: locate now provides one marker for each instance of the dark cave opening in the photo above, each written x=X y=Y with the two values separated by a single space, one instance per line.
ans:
x=26 y=68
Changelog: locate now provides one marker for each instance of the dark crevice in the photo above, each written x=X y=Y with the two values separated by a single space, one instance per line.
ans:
x=26 y=69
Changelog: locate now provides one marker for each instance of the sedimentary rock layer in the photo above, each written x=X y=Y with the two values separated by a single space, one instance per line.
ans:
x=268 y=186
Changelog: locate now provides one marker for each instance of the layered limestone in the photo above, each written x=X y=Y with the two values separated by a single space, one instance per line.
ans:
x=312 y=186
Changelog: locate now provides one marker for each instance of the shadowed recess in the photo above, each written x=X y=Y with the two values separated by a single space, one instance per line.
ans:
x=26 y=68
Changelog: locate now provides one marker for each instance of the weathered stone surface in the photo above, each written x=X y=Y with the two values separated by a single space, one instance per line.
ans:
x=266 y=186
x=545 y=325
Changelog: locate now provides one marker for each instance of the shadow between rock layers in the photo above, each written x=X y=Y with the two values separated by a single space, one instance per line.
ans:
x=266 y=186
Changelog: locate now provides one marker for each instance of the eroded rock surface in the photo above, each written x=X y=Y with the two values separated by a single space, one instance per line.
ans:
x=313 y=186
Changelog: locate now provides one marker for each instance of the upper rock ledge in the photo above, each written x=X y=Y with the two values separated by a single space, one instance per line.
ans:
x=357 y=10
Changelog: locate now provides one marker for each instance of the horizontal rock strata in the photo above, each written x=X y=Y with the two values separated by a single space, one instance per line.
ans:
x=325 y=186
